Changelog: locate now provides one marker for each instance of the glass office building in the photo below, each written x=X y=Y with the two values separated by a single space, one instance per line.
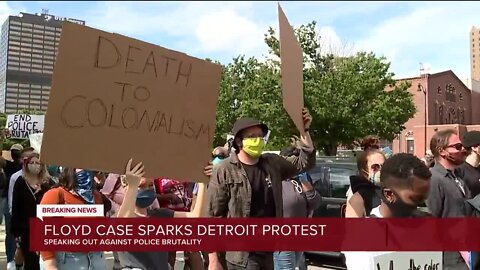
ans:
x=29 y=44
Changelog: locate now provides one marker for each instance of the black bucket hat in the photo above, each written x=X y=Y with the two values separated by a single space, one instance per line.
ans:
x=471 y=139
x=244 y=123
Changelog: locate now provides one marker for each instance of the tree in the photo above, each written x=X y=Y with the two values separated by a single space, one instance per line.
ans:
x=346 y=95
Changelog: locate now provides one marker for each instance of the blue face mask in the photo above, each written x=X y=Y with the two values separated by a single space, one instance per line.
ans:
x=216 y=161
x=84 y=186
x=145 y=197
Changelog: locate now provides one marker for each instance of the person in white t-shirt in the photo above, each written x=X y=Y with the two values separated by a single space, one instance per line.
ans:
x=405 y=182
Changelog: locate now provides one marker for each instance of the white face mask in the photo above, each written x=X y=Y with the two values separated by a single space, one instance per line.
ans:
x=375 y=178
x=34 y=168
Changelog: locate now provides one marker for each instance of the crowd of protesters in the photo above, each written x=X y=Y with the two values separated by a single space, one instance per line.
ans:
x=244 y=182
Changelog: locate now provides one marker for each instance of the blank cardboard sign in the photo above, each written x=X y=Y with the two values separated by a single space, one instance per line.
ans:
x=114 y=98
x=291 y=55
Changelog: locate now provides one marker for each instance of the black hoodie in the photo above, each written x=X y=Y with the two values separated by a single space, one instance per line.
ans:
x=371 y=194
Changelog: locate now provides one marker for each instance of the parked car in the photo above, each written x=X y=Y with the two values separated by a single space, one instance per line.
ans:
x=331 y=179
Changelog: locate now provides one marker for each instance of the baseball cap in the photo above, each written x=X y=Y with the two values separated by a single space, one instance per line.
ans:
x=472 y=138
x=16 y=146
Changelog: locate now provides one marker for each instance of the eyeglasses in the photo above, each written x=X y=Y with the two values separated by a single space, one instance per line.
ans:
x=457 y=146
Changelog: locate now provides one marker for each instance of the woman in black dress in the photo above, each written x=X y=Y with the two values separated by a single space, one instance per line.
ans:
x=27 y=193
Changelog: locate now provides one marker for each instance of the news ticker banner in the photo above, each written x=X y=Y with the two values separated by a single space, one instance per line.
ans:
x=248 y=234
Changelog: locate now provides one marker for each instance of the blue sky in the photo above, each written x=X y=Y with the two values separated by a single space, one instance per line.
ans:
x=407 y=33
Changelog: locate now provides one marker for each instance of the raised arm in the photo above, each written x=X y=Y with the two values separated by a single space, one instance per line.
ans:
x=133 y=177
x=294 y=165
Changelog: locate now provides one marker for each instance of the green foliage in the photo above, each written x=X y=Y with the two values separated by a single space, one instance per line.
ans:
x=346 y=95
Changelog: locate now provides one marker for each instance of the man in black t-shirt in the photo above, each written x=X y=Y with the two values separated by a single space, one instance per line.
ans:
x=249 y=184
x=469 y=171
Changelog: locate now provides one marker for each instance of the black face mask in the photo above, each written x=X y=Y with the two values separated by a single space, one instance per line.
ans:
x=399 y=208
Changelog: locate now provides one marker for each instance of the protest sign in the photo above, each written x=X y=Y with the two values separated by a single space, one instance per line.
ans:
x=291 y=55
x=36 y=141
x=114 y=98
x=409 y=260
x=22 y=125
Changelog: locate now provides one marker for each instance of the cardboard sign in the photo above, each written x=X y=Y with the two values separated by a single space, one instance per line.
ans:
x=291 y=55
x=114 y=98
x=409 y=260
x=22 y=125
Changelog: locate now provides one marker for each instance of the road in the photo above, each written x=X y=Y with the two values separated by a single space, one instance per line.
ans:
x=178 y=265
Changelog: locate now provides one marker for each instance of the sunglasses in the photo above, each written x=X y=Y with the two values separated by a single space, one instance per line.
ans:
x=457 y=146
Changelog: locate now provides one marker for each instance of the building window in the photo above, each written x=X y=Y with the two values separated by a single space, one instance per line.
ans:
x=450 y=92
x=410 y=146
x=15 y=22
x=26 y=44
x=14 y=33
x=460 y=96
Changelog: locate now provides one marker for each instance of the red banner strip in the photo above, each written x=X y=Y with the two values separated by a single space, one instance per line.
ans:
x=248 y=234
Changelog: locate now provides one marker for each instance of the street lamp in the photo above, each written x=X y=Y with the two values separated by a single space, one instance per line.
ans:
x=421 y=88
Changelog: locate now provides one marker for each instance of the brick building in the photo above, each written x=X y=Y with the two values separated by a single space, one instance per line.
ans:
x=443 y=101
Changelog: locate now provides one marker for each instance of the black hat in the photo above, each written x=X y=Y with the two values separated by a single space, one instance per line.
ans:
x=472 y=138
x=244 y=123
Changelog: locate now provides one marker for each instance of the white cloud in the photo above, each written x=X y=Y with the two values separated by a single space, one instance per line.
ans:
x=430 y=34
x=331 y=43
x=227 y=31
x=211 y=27
x=5 y=11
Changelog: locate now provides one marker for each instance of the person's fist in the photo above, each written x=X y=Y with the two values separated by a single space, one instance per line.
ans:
x=307 y=118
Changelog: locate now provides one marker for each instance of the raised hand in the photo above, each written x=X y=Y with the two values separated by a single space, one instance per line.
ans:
x=208 y=169
x=307 y=118
x=134 y=176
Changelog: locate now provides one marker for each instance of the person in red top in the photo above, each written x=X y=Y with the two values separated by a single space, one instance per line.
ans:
x=76 y=187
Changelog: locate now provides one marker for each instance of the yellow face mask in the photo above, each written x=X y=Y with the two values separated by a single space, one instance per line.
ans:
x=253 y=146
